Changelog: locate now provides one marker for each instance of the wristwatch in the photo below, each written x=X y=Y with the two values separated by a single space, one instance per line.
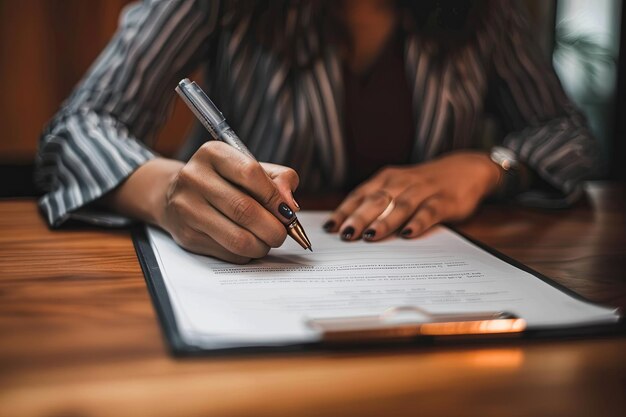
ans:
x=510 y=181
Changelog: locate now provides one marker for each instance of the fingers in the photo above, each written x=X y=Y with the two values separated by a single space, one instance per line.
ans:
x=203 y=218
x=404 y=206
x=198 y=242
x=223 y=203
x=347 y=207
x=377 y=216
x=244 y=211
x=448 y=188
x=430 y=213
x=370 y=208
x=247 y=173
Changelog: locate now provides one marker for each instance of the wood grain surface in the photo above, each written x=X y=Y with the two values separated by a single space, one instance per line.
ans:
x=79 y=335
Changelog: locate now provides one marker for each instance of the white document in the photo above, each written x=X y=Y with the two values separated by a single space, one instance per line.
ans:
x=269 y=301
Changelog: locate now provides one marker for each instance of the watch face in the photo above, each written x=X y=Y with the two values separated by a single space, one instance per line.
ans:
x=504 y=157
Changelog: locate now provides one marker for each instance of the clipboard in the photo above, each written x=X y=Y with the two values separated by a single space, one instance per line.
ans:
x=381 y=330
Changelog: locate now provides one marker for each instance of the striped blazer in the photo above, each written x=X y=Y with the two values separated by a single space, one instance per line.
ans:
x=294 y=116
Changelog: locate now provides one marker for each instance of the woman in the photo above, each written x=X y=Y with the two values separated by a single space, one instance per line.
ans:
x=386 y=96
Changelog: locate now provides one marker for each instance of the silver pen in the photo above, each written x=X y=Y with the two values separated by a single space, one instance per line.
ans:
x=215 y=122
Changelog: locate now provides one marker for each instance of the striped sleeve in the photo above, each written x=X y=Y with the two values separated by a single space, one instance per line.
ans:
x=546 y=131
x=101 y=134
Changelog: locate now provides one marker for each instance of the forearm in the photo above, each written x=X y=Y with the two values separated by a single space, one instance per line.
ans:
x=94 y=143
x=143 y=194
x=546 y=132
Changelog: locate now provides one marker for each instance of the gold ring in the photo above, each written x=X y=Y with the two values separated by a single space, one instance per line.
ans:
x=390 y=206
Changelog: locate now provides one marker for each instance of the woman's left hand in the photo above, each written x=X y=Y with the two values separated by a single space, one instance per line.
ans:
x=413 y=199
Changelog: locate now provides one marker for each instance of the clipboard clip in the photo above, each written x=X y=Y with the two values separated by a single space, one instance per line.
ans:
x=408 y=322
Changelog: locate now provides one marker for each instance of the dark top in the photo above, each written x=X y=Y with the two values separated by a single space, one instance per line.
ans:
x=379 y=126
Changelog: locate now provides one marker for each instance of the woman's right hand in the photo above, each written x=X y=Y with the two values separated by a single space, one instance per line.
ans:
x=221 y=203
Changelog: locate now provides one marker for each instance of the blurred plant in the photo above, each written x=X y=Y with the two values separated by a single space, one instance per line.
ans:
x=595 y=59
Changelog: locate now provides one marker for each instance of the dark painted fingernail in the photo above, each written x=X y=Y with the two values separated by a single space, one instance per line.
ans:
x=329 y=225
x=369 y=233
x=406 y=232
x=347 y=233
x=285 y=211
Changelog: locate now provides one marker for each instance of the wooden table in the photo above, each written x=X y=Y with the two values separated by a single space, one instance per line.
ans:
x=79 y=336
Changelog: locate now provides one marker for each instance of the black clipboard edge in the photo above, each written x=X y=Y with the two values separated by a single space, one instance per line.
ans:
x=161 y=302
x=179 y=348
x=158 y=292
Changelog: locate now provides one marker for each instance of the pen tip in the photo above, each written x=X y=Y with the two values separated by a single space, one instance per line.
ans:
x=311 y=249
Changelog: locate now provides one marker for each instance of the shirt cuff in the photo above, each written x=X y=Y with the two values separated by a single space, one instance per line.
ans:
x=78 y=164
x=561 y=155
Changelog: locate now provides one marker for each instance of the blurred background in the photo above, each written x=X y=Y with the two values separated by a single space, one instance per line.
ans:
x=47 y=45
